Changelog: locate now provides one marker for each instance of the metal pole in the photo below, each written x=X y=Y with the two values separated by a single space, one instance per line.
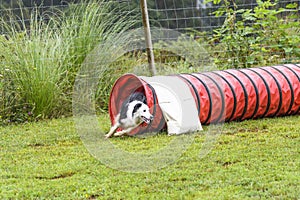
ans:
x=149 y=47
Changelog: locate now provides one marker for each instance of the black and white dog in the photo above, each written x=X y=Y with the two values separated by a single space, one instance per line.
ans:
x=134 y=111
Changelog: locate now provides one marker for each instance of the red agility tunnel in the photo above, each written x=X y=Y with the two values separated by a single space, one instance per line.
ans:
x=220 y=96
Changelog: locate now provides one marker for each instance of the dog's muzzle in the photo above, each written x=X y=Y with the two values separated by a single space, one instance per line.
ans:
x=146 y=120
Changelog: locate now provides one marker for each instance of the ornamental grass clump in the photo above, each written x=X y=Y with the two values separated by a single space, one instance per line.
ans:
x=41 y=53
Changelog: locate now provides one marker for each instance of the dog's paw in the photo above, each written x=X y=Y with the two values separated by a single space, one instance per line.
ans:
x=107 y=136
x=119 y=134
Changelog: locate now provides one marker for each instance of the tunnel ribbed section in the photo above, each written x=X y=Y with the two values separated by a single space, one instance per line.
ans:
x=222 y=96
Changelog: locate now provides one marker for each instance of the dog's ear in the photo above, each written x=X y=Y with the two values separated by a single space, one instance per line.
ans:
x=144 y=100
x=136 y=107
x=138 y=96
x=141 y=97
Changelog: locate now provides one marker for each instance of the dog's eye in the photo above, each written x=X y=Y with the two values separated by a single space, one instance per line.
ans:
x=144 y=110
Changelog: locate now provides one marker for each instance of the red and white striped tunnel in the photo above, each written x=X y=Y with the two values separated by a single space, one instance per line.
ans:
x=234 y=94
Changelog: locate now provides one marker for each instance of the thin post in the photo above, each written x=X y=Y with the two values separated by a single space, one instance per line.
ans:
x=149 y=47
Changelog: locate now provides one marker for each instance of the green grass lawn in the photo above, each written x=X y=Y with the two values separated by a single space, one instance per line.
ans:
x=255 y=159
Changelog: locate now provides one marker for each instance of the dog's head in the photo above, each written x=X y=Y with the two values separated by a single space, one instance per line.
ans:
x=141 y=111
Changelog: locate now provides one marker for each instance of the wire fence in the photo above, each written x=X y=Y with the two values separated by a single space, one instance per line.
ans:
x=172 y=14
x=34 y=46
x=237 y=34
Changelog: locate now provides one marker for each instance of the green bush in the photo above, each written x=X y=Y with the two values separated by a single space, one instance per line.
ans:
x=264 y=35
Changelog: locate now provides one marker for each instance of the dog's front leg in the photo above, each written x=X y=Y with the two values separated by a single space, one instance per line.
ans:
x=124 y=132
x=114 y=127
x=112 y=130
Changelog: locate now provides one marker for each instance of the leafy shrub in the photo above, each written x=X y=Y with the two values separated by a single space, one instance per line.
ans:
x=258 y=36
